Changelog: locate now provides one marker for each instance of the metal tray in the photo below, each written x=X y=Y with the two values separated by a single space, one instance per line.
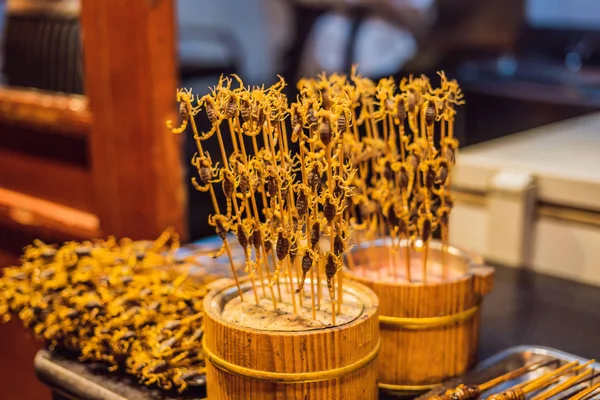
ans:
x=72 y=379
x=83 y=382
x=511 y=359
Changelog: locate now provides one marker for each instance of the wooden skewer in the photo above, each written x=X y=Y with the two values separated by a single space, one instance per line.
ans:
x=264 y=248
x=340 y=290
x=298 y=270
x=340 y=293
x=251 y=217
x=386 y=134
x=391 y=271
x=584 y=394
x=404 y=238
x=333 y=305
x=444 y=251
x=407 y=258
x=283 y=215
x=270 y=148
x=291 y=283
x=513 y=374
x=319 y=267
x=307 y=217
x=546 y=379
x=574 y=380
x=214 y=199
x=317 y=263
x=284 y=151
x=467 y=392
x=331 y=225
x=370 y=135
x=425 y=255
x=256 y=220
x=374 y=127
x=312 y=292
x=233 y=138
x=234 y=200
x=362 y=166
x=286 y=260
x=444 y=228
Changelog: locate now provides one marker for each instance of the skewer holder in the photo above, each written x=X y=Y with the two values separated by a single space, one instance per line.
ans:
x=429 y=331
x=251 y=359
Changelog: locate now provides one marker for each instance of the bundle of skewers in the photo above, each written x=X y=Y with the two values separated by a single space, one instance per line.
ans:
x=573 y=380
x=399 y=138
x=121 y=304
x=404 y=159
x=278 y=203
x=338 y=184
x=280 y=183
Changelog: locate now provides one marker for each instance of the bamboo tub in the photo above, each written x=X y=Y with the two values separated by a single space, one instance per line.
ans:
x=429 y=332
x=338 y=362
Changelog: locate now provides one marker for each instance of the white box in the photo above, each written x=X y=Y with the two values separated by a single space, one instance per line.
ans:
x=532 y=199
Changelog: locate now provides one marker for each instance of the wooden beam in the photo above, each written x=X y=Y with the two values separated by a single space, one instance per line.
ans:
x=130 y=52
x=48 y=179
x=56 y=112
x=50 y=218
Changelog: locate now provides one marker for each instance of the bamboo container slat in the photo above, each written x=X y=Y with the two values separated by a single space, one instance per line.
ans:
x=429 y=332
x=331 y=362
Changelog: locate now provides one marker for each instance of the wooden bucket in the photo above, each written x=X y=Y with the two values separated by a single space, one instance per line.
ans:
x=429 y=332
x=247 y=361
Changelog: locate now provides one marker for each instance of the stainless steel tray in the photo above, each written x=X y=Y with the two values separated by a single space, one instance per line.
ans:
x=512 y=359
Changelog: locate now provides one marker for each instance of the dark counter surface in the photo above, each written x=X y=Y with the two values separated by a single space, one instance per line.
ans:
x=527 y=308
x=524 y=308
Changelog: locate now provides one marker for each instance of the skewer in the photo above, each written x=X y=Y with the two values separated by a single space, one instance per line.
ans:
x=254 y=206
x=519 y=391
x=574 y=380
x=538 y=382
x=311 y=120
x=586 y=393
x=425 y=255
x=326 y=138
x=514 y=374
x=534 y=386
x=188 y=114
x=342 y=126
x=249 y=188
x=232 y=197
x=303 y=208
x=472 y=392
x=284 y=151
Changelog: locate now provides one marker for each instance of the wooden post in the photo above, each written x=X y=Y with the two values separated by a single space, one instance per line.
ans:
x=130 y=72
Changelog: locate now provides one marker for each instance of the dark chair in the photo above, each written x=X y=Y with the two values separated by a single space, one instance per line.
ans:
x=43 y=52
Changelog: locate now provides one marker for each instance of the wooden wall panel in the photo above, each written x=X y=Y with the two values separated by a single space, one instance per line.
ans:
x=48 y=179
x=46 y=218
x=67 y=114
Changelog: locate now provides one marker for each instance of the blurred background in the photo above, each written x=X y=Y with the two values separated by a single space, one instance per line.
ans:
x=86 y=87
x=521 y=63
